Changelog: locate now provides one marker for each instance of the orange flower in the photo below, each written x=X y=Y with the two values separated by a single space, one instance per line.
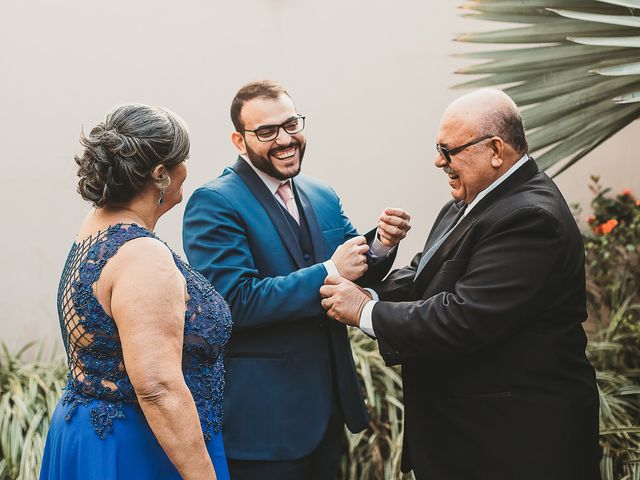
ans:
x=591 y=218
x=638 y=203
x=608 y=226
x=597 y=229
x=626 y=192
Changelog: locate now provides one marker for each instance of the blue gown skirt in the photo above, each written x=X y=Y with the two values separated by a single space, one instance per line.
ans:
x=74 y=451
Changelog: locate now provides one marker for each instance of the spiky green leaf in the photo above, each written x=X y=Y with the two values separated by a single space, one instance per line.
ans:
x=587 y=66
x=619 y=20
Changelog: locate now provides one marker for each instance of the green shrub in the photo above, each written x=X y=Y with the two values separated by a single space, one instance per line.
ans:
x=375 y=453
x=29 y=392
x=612 y=246
x=612 y=252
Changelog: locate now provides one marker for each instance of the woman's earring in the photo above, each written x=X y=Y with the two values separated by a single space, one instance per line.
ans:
x=166 y=181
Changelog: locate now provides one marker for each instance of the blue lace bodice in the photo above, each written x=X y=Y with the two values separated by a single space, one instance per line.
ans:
x=94 y=353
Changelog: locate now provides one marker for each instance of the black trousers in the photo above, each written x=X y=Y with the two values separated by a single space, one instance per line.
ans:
x=321 y=464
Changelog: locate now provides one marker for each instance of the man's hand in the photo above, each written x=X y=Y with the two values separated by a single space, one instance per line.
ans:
x=393 y=225
x=343 y=300
x=350 y=259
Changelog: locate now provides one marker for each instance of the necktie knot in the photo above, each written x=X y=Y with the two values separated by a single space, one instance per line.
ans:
x=286 y=194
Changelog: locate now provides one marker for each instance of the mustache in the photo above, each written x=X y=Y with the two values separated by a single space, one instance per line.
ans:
x=292 y=143
x=447 y=169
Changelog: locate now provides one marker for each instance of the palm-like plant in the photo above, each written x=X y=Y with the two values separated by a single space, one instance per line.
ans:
x=614 y=355
x=579 y=81
x=375 y=453
x=29 y=392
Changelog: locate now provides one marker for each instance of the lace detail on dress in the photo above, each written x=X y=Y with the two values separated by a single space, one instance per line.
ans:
x=94 y=352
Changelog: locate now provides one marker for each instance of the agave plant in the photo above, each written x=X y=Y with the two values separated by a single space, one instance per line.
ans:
x=29 y=392
x=577 y=77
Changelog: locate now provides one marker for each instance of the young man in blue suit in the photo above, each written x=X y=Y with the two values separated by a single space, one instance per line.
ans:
x=267 y=238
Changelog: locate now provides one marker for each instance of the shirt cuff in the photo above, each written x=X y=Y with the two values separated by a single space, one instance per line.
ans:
x=331 y=268
x=374 y=294
x=378 y=250
x=366 y=322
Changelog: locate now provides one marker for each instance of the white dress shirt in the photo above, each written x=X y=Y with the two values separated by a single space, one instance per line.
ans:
x=366 y=321
x=377 y=249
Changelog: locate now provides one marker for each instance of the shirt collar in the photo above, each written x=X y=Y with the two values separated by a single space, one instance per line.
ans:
x=496 y=182
x=272 y=183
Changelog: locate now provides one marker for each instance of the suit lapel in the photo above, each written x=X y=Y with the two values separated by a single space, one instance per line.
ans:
x=434 y=244
x=434 y=264
x=524 y=173
x=312 y=222
x=270 y=205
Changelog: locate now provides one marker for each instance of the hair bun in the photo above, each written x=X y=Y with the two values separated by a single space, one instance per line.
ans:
x=96 y=165
x=120 y=153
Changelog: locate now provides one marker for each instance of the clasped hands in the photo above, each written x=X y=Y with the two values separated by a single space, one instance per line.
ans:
x=341 y=298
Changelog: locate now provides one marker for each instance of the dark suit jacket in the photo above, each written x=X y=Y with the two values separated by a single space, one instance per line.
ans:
x=496 y=381
x=279 y=385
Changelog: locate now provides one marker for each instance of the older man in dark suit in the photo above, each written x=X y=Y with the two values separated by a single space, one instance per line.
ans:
x=486 y=321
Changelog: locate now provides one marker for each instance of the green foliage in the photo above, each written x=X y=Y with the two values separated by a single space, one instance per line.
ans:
x=29 y=392
x=612 y=248
x=375 y=453
x=576 y=77
x=615 y=355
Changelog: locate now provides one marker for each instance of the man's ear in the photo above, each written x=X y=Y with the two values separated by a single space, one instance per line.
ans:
x=497 y=152
x=238 y=141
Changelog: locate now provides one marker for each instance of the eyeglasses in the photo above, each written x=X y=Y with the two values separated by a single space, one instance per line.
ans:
x=447 y=152
x=267 y=133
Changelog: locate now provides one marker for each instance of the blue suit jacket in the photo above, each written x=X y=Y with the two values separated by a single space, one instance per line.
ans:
x=279 y=384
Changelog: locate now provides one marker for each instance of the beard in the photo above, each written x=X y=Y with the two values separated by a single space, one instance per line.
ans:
x=266 y=165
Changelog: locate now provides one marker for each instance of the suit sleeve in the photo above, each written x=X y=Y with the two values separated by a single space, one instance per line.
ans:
x=398 y=286
x=216 y=244
x=376 y=270
x=493 y=297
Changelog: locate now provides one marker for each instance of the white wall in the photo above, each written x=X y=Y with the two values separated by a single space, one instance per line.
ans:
x=372 y=77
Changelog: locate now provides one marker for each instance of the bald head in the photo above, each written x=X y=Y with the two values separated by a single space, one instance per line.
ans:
x=481 y=136
x=491 y=112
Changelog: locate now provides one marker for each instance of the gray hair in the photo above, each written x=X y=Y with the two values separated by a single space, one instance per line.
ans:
x=121 y=152
x=506 y=123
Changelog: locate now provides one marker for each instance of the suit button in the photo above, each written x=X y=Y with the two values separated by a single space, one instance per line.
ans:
x=307 y=257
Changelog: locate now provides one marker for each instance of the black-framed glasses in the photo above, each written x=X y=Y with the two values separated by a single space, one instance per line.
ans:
x=447 y=152
x=267 y=133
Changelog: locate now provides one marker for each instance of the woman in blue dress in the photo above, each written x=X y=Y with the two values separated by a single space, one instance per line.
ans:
x=144 y=333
